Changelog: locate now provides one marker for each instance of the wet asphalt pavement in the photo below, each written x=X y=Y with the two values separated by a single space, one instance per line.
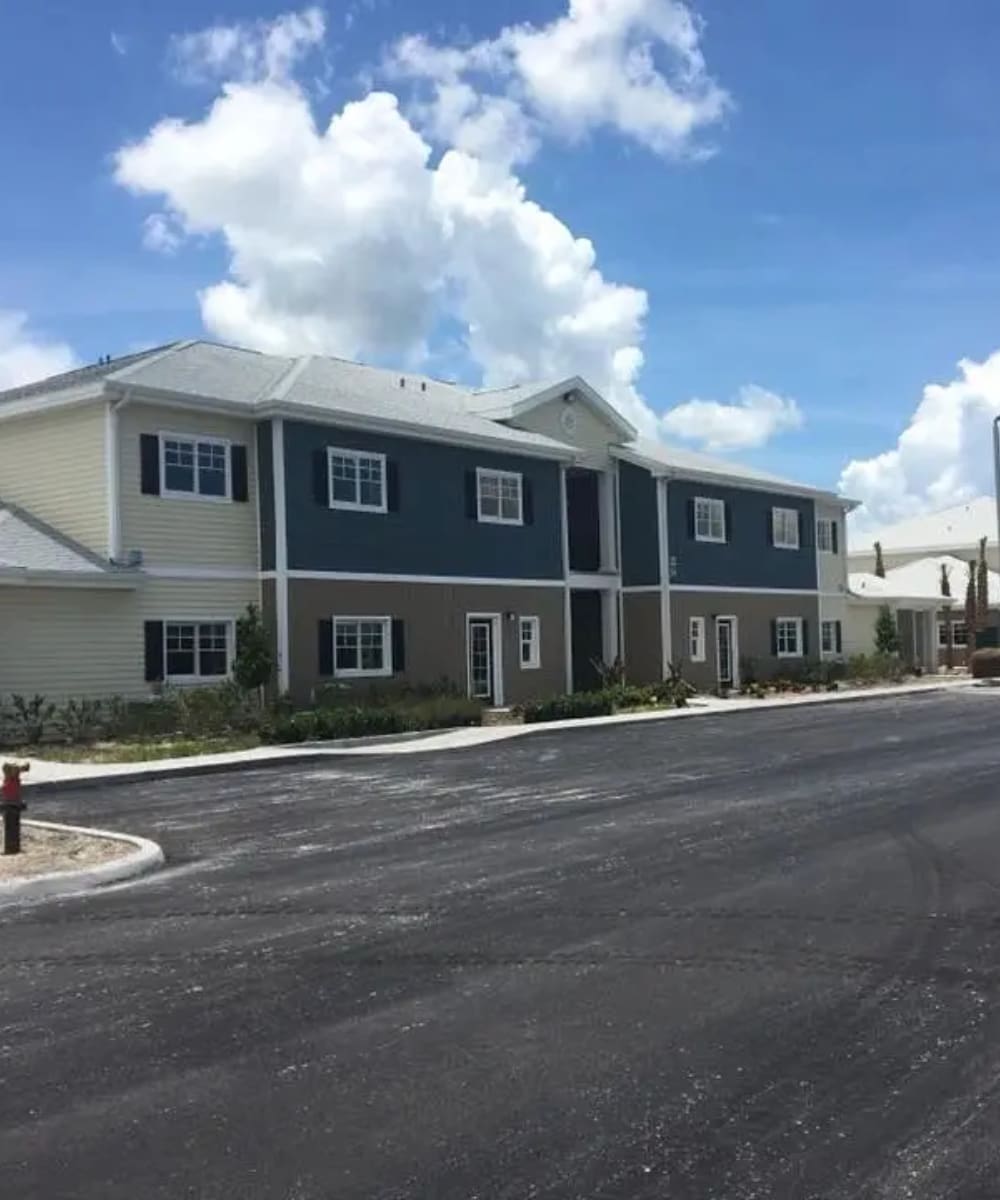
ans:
x=751 y=956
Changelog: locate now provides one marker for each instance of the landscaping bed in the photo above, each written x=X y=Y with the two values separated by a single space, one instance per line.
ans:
x=46 y=851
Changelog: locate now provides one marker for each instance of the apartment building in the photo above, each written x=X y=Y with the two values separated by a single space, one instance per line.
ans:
x=390 y=526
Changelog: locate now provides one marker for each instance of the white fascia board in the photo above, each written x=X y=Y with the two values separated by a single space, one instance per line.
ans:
x=44 y=402
x=20 y=577
x=575 y=383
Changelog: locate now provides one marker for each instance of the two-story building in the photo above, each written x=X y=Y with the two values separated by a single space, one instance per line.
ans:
x=390 y=526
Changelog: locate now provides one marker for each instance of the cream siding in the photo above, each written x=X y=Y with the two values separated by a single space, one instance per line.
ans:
x=186 y=531
x=53 y=465
x=591 y=434
x=73 y=642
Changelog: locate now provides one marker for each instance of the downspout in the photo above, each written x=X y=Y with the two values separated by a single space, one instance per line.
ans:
x=112 y=475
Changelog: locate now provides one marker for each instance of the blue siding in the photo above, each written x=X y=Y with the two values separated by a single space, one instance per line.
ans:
x=748 y=559
x=430 y=534
x=265 y=492
x=639 y=530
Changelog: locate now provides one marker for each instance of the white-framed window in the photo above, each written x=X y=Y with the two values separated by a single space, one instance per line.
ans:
x=197 y=651
x=959 y=633
x=362 y=646
x=785 y=528
x=195 y=467
x=530 y=642
x=942 y=628
x=499 y=496
x=709 y=519
x=357 y=480
x=829 y=637
x=826 y=538
x=788 y=637
x=696 y=639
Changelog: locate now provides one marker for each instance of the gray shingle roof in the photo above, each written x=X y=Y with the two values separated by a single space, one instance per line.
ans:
x=28 y=545
x=92 y=373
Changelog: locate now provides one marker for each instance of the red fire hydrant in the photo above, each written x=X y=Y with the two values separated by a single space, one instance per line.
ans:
x=12 y=805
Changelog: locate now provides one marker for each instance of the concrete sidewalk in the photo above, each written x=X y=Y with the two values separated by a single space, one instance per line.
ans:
x=46 y=775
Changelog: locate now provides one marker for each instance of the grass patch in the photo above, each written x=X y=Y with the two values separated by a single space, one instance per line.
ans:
x=140 y=751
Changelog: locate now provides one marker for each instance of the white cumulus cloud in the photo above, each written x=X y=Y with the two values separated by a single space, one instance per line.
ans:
x=26 y=356
x=944 y=455
x=248 y=50
x=755 y=416
x=632 y=66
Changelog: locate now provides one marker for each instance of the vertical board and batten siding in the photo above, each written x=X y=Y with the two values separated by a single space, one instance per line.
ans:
x=174 y=531
x=53 y=465
x=640 y=529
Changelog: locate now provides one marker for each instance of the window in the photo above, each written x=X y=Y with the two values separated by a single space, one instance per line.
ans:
x=195 y=467
x=362 y=646
x=788 y=637
x=357 y=480
x=709 y=520
x=829 y=637
x=826 y=535
x=959 y=633
x=196 y=649
x=696 y=639
x=942 y=628
x=531 y=650
x=785 y=528
x=499 y=497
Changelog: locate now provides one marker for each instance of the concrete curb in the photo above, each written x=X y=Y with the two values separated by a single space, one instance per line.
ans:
x=327 y=752
x=146 y=856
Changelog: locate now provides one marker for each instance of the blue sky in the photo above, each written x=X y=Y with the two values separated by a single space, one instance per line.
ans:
x=838 y=247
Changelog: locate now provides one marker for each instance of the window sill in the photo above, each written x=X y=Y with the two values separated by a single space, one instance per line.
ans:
x=347 y=506
x=712 y=541
x=189 y=496
x=383 y=674
x=785 y=546
x=499 y=520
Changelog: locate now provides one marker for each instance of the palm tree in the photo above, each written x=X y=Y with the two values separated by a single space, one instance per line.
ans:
x=879 y=564
x=982 y=588
x=949 y=643
x=971 y=609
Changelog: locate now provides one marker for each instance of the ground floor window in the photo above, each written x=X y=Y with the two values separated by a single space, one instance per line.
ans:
x=788 y=637
x=197 y=649
x=830 y=637
x=696 y=639
x=531 y=651
x=362 y=645
x=959 y=633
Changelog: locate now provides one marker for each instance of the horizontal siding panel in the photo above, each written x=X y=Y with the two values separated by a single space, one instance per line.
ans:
x=182 y=532
x=52 y=464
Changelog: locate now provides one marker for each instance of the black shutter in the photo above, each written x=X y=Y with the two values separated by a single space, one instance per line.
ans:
x=326 y=648
x=149 y=464
x=728 y=518
x=691 y=524
x=774 y=639
x=471 y=501
x=238 y=473
x=805 y=639
x=839 y=632
x=153 y=631
x=834 y=537
x=527 y=501
x=391 y=485
x=398 y=646
x=321 y=478
x=770 y=526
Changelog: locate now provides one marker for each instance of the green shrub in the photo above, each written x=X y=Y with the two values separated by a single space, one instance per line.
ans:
x=442 y=712
x=80 y=720
x=985 y=663
x=29 y=718
x=350 y=721
x=561 y=708
x=875 y=668
x=379 y=695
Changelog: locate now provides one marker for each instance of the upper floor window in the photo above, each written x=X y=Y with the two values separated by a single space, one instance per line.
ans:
x=826 y=535
x=788 y=637
x=709 y=520
x=499 y=497
x=362 y=646
x=785 y=528
x=195 y=466
x=196 y=650
x=531 y=651
x=357 y=480
x=830 y=637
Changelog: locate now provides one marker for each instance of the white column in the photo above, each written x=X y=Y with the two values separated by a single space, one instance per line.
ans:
x=567 y=607
x=666 y=633
x=112 y=480
x=280 y=552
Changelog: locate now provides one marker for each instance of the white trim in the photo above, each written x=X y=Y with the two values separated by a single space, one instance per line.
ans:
x=607 y=412
x=782 y=512
x=386 y=669
x=195 y=439
x=356 y=505
x=192 y=572
x=122 y=581
x=201 y=680
x=663 y=547
x=535 y=658
x=496 y=647
x=371 y=577
x=604 y=581
x=567 y=597
x=734 y=649
x=499 y=475
x=639 y=588
x=747 y=591
x=280 y=553
x=112 y=479
x=798 y=652
x=702 y=635
x=716 y=505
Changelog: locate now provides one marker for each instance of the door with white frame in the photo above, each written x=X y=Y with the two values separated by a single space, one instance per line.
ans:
x=727 y=651
x=482 y=640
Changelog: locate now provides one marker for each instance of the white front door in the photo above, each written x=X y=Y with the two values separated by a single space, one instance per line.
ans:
x=481 y=645
x=726 y=651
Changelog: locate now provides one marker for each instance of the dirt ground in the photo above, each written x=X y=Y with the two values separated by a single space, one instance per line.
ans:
x=44 y=851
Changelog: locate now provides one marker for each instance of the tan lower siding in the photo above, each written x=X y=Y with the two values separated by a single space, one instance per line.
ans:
x=754 y=616
x=434 y=617
x=641 y=620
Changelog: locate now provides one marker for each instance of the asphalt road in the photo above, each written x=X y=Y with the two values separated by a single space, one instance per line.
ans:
x=751 y=956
